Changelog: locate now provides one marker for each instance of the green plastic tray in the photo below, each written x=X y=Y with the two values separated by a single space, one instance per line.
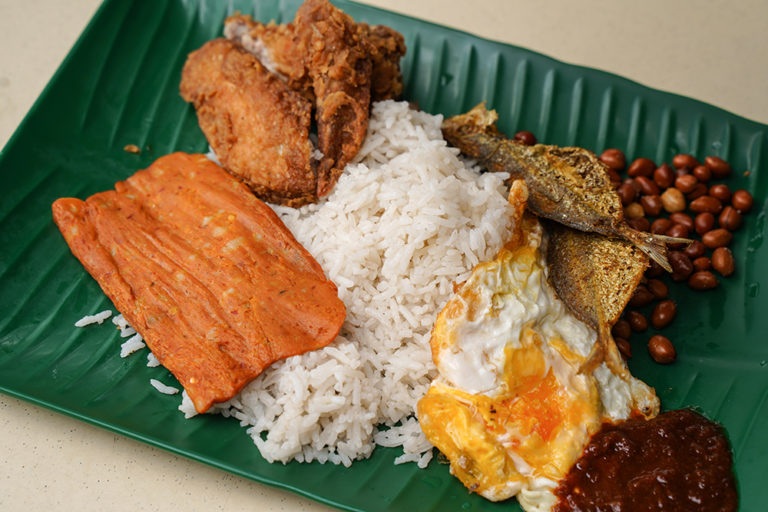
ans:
x=119 y=86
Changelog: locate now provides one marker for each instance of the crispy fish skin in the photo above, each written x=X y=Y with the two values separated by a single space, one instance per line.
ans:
x=256 y=124
x=568 y=185
x=210 y=277
x=595 y=276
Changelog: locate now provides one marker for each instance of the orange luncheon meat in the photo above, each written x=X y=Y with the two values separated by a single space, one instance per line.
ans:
x=204 y=271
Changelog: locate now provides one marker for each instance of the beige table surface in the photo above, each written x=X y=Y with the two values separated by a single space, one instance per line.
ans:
x=712 y=50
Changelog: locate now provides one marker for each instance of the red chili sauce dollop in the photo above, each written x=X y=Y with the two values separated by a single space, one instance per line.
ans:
x=677 y=461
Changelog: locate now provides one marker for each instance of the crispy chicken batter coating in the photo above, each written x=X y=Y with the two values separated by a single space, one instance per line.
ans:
x=257 y=125
x=387 y=47
x=325 y=55
x=340 y=69
x=280 y=50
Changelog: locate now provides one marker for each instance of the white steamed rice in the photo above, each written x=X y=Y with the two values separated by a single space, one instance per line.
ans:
x=406 y=220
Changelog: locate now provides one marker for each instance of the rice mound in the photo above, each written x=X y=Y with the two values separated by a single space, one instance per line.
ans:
x=407 y=219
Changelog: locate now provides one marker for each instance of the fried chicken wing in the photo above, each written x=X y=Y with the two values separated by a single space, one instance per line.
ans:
x=280 y=50
x=325 y=55
x=257 y=125
x=387 y=48
x=340 y=68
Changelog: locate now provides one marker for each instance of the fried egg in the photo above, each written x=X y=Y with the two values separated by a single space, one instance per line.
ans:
x=509 y=408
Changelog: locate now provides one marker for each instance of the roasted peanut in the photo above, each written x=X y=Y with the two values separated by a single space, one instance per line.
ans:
x=681 y=265
x=664 y=176
x=682 y=218
x=621 y=329
x=677 y=231
x=642 y=297
x=525 y=137
x=673 y=200
x=695 y=250
x=641 y=167
x=660 y=226
x=637 y=321
x=614 y=177
x=729 y=218
x=720 y=192
x=640 y=224
x=742 y=201
x=661 y=349
x=683 y=160
x=701 y=263
x=704 y=222
x=627 y=193
x=624 y=347
x=613 y=158
x=702 y=173
x=722 y=261
x=663 y=313
x=706 y=204
x=702 y=280
x=699 y=190
x=651 y=204
x=654 y=269
x=658 y=288
x=717 y=238
x=719 y=167
x=634 y=211
x=686 y=183
x=647 y=186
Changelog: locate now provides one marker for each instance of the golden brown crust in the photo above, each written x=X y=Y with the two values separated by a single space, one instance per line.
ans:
x=256 y=124
x=590 y=271
x=339 y=64
x=595 y=276
x=568 y=185
x=387 y=47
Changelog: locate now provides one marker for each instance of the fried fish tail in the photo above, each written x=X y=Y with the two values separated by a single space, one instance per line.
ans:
x=655 y=246
x=605 y=351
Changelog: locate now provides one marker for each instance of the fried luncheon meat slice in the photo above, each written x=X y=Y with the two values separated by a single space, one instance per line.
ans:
x=204 y=271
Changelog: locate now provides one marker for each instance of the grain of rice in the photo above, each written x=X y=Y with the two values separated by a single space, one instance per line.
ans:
x=121 y=322
x=134 y=343
x=98 y=318
x=166 y=390
x=152 y=360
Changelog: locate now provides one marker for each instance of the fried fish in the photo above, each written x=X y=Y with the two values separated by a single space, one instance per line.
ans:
x=568 y=185
x=595 y=276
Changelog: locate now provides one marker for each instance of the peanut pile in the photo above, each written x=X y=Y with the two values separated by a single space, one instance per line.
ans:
x=681 y=201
